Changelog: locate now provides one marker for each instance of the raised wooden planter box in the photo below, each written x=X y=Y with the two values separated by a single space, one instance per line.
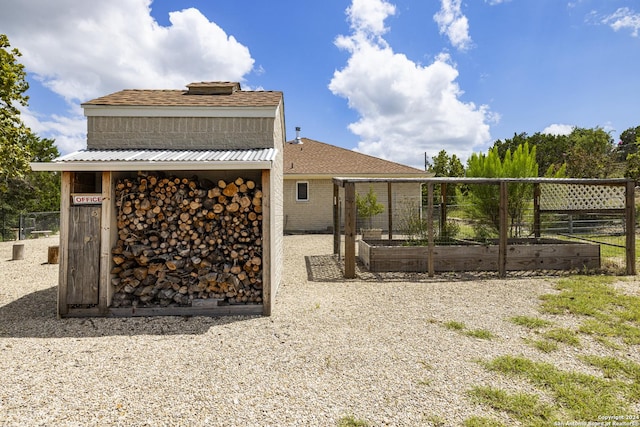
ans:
x=522 y=254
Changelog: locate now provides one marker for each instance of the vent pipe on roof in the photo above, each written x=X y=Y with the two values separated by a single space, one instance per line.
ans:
x=298 y=139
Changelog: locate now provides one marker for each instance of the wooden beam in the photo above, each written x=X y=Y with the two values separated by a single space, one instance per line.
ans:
x=336 y=220
x=105 y=290
x=430 y=240
x=65 y=207
x=390 y=209
x=443 y=207
x=630 y=244
x=502 y=250
x=350 y=230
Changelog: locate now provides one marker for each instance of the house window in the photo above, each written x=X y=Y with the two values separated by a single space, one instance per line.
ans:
x=302 y=191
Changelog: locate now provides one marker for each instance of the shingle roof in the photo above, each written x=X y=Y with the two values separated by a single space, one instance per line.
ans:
x=183 y=98
x=318 y=158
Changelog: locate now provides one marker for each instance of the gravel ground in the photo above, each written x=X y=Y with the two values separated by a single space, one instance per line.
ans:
x=374 y=348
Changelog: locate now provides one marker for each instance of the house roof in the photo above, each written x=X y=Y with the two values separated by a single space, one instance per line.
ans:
x=318 y=158
x=202 y=94
x=130 y=160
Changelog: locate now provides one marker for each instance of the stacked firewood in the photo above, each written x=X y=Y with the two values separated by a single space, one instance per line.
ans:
x=187 y=241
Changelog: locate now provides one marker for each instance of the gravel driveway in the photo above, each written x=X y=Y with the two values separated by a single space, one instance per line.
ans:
x=374 y=348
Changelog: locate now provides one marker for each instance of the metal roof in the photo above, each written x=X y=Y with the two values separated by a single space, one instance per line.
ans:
x=94 y=160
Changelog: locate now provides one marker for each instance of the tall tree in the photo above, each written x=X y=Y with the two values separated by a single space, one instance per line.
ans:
x=20 y=189
x=485 y=199
x=628 y=143
x=14 y=154
x=591 y=154
x=444 y=165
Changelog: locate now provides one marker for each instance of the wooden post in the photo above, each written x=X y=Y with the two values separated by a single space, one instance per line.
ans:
x=430 y=261
x=105 y=290
x=390 y=209
x=443 y=207
x=502 y=250
x=17 y=252
x=630 y=213
x=53 y=255
x=336 y=220
x=536 y=210
x=65 y=207
x=350 y=230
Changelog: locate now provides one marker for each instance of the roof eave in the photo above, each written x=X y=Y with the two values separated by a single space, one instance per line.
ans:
x=80 y=166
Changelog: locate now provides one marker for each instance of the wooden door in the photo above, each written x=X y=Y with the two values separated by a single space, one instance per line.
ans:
x=83 y=267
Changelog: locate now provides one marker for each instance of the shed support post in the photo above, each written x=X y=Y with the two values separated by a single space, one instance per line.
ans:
x=443 y=207
x=65 y=208
x=105 y=290
x=350 y=230
x=430 y=261
x=336 y=220
x=502 y=250
x=630 y=213
x=390 y=209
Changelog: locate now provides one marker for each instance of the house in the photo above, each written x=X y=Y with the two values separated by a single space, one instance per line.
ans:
x=175 y=207
x=309 y=167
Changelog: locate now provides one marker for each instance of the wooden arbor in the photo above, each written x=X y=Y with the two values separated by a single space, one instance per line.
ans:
x=618 y=201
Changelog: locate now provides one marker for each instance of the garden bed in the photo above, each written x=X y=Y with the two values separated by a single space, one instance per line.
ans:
x=522 y=254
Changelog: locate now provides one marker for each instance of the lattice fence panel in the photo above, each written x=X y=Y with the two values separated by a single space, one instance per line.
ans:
x=574 y=197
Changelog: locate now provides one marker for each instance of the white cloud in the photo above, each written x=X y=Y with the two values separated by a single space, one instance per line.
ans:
x=558 y=129
x=495 y=2
x=405 y=109
x=452 y=22
x=624 y=18
x=80 y=50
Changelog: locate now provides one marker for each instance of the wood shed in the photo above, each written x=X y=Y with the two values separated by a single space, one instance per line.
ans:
x=175 y=206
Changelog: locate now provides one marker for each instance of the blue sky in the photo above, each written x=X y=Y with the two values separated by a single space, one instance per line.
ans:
x=395 y=79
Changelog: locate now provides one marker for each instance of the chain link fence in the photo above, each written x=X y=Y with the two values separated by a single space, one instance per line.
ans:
x=31 y=225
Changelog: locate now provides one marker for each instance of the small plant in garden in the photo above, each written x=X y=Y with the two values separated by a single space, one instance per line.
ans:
x=368 y=206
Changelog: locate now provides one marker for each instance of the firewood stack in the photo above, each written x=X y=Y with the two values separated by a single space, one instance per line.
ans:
x=185 y=241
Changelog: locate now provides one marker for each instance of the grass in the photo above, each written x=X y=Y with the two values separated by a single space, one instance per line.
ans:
x=530 y=322
x=351 y=421
x=607 y=316
x=544 y=346
x=609 y=313
x=475 y=333
x=562 y=335
x=476 y=421
x=454 y=326
x=524 y=407
x=480 y=333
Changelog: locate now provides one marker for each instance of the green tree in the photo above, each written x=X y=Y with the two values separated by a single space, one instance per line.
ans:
x=14 y=155
x=628 y=143
x=20 y=189
x=591 y=154
x=485 y=199
x=367 y=206
x=551 y=150
x=633 y=164
x=444 y=166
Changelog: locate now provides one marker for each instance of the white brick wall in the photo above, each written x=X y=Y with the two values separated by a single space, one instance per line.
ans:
x=316 y=215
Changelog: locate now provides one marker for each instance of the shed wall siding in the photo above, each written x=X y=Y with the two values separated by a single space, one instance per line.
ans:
x=186 y=133
x=316 y=215
x=277 y=201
